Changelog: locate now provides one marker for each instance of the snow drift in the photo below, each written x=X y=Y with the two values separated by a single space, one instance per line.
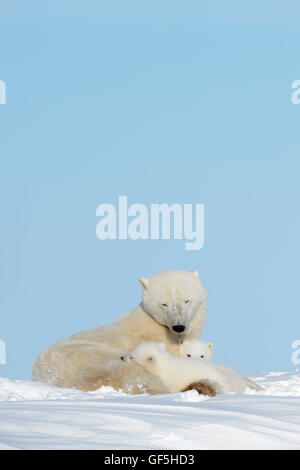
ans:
x=40 y=416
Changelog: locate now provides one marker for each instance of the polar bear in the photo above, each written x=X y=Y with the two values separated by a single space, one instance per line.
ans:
x=197 y=349
x=177 y=373
x=173 y=309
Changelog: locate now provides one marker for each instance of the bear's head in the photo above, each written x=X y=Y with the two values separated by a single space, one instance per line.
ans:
x=196 y=349
x=173 y=298
x=147 y=354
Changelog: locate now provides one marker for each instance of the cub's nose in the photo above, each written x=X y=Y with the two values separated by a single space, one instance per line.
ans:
x=178 y=328
x=126 y=358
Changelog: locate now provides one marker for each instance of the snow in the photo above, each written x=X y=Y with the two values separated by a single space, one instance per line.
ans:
x=41 y=416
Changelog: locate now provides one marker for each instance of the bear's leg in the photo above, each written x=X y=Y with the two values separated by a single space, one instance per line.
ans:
x=88 y=366
x=202 y=389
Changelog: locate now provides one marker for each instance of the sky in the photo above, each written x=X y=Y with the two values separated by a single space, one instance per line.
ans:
x=164 y=102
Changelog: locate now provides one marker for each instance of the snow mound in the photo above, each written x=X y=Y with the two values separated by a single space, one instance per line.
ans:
x=41 y=416
x=19 y=390
x=284 y=384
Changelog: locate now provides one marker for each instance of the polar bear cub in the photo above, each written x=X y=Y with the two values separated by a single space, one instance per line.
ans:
x=177 y=373
x=196 y=349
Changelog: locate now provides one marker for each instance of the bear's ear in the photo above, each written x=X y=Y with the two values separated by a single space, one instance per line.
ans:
x=195 y=274
x=210 y=346
x=144 y=283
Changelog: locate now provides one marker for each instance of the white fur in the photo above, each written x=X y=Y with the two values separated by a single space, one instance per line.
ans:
x=91 y=358
x=173 y=298
x=196 y=349
x=175 y=372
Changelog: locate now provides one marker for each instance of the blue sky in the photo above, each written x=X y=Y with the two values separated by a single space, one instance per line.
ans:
x=184 y=102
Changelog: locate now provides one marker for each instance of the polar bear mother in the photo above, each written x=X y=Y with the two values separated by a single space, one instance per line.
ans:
x=172 y=310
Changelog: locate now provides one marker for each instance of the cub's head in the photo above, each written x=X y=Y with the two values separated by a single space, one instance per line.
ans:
x=196 y=350
x=172 y=298
x=146 y=354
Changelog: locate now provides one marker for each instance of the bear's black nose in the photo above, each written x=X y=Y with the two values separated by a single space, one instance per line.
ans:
x=122 y=358
x=178 y=328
